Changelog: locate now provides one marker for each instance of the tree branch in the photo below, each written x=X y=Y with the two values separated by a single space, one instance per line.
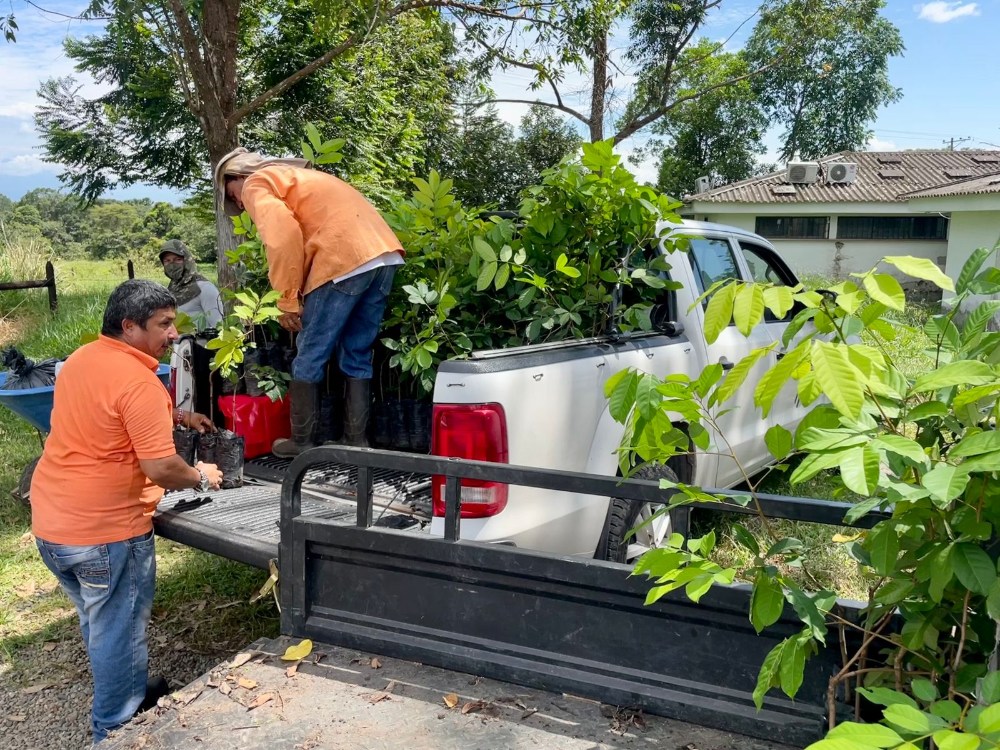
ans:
x=638 y=123
x=540 y=103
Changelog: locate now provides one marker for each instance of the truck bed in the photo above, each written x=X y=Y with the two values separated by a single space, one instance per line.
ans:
x=242 y=524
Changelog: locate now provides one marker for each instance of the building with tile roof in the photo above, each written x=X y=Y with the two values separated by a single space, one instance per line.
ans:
x=940 y=205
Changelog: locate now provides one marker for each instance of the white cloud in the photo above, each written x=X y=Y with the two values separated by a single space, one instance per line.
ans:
x=26 y=164
x=877 y=144
x=20 y=110
x=943 y=12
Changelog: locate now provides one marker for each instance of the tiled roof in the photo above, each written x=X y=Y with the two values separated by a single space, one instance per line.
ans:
x=883 y=176
x=990 y=184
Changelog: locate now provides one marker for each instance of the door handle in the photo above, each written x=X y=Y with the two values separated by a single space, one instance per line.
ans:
x=726 y=364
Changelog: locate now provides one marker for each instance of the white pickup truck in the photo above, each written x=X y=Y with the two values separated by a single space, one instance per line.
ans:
x=544 y=406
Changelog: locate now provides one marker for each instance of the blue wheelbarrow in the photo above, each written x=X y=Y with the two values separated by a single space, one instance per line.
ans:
x=34 y=406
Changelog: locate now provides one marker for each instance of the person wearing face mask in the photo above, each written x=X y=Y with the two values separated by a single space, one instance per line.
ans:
x=196 y=296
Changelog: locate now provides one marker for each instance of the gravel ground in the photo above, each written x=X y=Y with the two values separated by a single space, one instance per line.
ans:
x=51 y=710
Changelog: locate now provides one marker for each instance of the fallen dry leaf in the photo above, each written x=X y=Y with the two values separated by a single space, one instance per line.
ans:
x=225 y=689
x=391 y=686
x=260 y=700
x=300 y=650
x=376 y=664
x=37 y=688
x=247 y=683
x=16 y=717
x=290 y=672
x=471 y=706
x=240 y=659
x=378 y=697
x=450 y=700
x=49 y=647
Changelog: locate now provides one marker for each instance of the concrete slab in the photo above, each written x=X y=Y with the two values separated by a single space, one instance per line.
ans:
x=337 y=699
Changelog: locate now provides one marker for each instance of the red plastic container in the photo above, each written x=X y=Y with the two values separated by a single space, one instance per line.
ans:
x=258 y=419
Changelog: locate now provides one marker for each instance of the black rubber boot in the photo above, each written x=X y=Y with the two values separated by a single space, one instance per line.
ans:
x=304 y=404
x=156 y=688
x=357 y=408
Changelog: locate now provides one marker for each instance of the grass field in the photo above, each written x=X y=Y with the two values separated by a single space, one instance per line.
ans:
x=200 y=600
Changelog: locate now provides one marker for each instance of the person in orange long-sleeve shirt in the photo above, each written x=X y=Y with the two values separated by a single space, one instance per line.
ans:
x=333 y=258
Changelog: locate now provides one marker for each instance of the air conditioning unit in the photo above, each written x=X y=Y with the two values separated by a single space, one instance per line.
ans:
x=842 y=172
x=802 y=172
x=702 y=184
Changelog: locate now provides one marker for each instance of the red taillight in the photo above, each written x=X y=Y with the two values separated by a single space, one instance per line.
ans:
x=474 y=431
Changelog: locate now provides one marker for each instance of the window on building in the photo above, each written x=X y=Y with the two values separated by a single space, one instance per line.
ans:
x=892 y=228
x=793 y=227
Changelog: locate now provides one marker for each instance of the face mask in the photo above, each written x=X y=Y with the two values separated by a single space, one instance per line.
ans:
x=174 y=271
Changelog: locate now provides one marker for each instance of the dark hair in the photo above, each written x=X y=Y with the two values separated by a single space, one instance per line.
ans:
x=136 y=300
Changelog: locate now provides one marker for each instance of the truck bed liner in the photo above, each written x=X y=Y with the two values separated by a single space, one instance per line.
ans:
x=242 y=524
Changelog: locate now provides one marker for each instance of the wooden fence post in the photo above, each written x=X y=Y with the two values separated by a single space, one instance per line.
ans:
x=50 y=279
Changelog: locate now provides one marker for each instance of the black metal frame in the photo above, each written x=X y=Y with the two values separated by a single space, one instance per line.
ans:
x=559 y=623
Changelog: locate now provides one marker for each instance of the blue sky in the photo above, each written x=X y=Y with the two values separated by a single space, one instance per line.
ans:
x=950 y=87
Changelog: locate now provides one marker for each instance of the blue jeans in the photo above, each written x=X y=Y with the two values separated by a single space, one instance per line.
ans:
x=112 y=587
x=344 y=317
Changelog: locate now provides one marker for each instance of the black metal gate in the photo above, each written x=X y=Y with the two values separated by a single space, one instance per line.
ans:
x=566 y=624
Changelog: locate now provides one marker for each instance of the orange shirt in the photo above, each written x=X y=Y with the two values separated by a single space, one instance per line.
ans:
x=315 y=228
x=110 y=411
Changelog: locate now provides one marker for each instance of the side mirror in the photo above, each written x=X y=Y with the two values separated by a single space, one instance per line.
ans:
x=662 y=318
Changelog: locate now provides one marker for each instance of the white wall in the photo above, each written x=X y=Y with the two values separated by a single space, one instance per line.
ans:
x=968 y=232
x=824 y=257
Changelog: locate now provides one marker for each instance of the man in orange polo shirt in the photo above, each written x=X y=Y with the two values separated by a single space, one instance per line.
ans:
x=106 y=462
x=333 y=258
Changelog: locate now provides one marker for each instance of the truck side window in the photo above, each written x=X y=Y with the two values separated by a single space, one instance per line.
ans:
x=766 y=268
x=713 y=261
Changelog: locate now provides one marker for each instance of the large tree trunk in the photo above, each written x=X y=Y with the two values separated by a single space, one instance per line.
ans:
x=224 y=236
x=599 y=88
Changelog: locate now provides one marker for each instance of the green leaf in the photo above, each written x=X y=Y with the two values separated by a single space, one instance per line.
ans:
x=921 y=268
x=965 y=372
x=859 y=469
x=779 y=300
x=883 y=696
x=989 y=688
x=837 y=378
x=812 y=465
x=737 y=376
x=993 y=601
x=973 y=445
x=883 y=547
x=621 y=392
x=772 y=382
x=486 y=275
x=901 y=446
x=989 y=720
x=748 y=308
x=885 y=289
x=948 y=739
x=767 y=677
x=719 y=312
x=924 y=690
x=875 y=735
x=947 y=709
x=911 y=720
x=979 y=316
x=778 y=441
x=970 y=268
x=746 y=538
x=766 y=602
x=503 y=274
x=793 y=664
x=945 y=482
x=861 y=509
x=973 y=568
x=484 y=250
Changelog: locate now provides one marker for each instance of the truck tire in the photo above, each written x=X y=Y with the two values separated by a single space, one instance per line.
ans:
x=623 y=516
x=22 y=492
